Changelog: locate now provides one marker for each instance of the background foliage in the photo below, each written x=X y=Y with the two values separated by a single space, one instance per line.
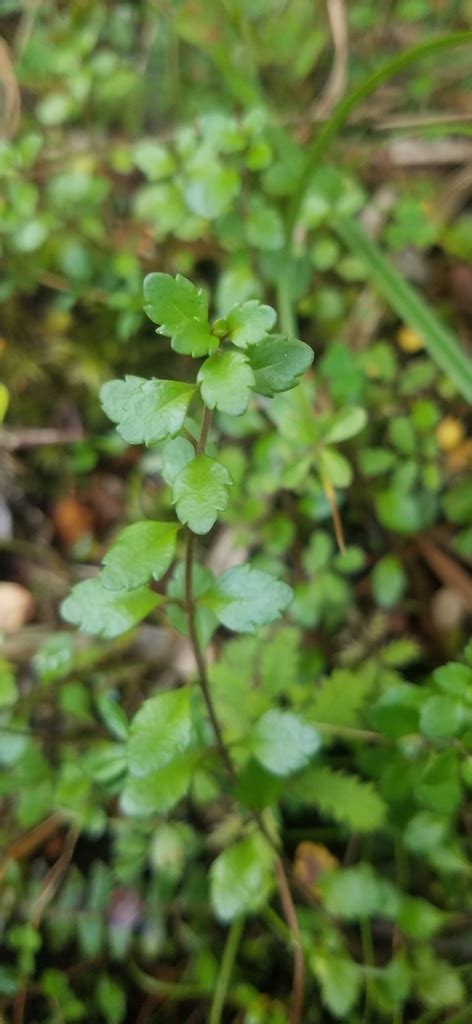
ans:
x=173 y=137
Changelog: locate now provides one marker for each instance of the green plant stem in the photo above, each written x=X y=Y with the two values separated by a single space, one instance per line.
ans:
x=205 y=430
x=198 y=654
x=290 y=914
x=366 y=735
x=172 y=989
x=369 y=961
x=276 y=924
x=191 y=618
x=318 y=148
x=226 y=970
x=288 y=906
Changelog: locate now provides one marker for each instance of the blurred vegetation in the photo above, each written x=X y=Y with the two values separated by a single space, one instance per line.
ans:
x=173 y=136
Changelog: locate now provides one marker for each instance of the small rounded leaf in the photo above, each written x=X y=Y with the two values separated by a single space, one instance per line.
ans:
x=388 y=581
x=345 y=424
x=172 y=301
x=278 y=363
x=201 y=491
x=283 y=743
x=194 y=338
x=249 y=322
x=241 y=878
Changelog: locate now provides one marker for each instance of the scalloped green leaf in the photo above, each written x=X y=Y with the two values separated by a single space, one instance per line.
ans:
x=244 y=598
x=160 y=730
x=107 y=613
x=146 y=411
x=250 y=322
x=278 y=363
x=194 y=339
x=344 y=798
x=142 y=551
x=172 y=301
x=181 y=310
x=201 y=491
x=226 y=381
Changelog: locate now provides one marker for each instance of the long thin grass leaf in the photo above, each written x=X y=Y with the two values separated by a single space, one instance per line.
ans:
x=342 y=111
x=438 y=339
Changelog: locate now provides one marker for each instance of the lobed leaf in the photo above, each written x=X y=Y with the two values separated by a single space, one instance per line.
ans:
x=107 y=613
x=345 y=798
x=243 y=598
x=146 y=411
x=249 y=322
x=194 y=339
x=340 y=697
x=200 y=491
x=226 y=380
x=181 y=310
x=172 y=301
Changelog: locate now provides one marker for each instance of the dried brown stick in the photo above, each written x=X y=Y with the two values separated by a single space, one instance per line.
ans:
x=337 y=79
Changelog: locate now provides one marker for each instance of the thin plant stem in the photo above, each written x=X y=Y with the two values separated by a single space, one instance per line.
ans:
x=288 y=322
x=369 y=961
x=191 y=617
x=276 y=924
x=175 y=990
x=330 y=494
x=288 y=906
x=198 y=654
x=226 y=970
x=206 y=427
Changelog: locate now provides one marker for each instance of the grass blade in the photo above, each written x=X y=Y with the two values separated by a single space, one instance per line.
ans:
x=341 y=113
x=440 y=342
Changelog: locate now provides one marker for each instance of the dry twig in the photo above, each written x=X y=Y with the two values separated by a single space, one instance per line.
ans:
x=337 y=80
x=11 y=101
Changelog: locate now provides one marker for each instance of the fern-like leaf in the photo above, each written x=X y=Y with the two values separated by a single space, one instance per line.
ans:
x=346 y=798
x=340 y=697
